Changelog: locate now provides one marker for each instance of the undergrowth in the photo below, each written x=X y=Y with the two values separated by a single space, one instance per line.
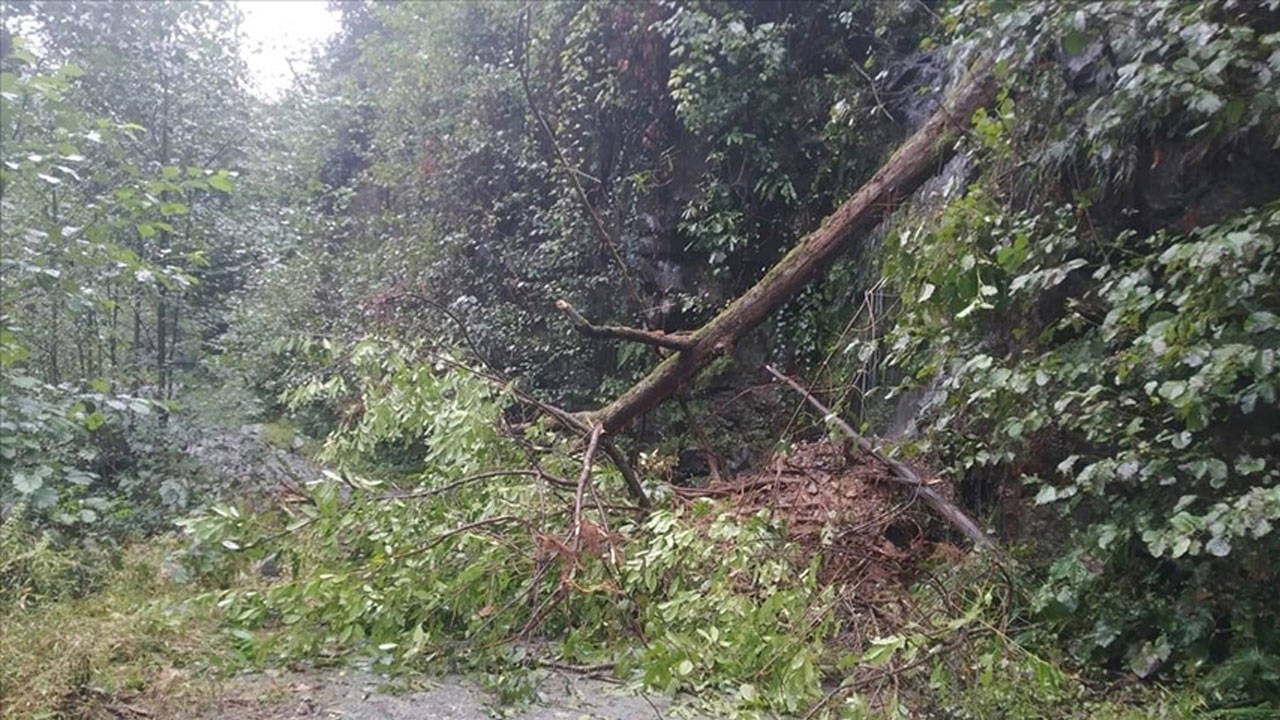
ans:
x=491 y=564
x=491 y=561
x=137 y=639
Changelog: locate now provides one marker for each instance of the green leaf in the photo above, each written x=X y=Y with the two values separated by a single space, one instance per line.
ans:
x=882 y=650
x=1261 y=321
x=24 y=382
x=1171 y=390
x=1217 y=470
x=1074 y=42
x=1218 y=546
x=1147 y=660
x=27 y=483
x=221 y=181
x=44 y=497
x=1047 y=494
x=1247 y=465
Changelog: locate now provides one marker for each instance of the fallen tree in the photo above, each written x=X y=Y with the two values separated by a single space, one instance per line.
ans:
x=914 y=162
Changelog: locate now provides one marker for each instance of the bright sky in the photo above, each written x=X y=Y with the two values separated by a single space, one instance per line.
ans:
x=280 y=32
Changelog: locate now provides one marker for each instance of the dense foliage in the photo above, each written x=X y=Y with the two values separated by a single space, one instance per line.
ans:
x=1118 y=359
x=318 y=334
x=118 y=246
x=635 y=159
x=471 y=555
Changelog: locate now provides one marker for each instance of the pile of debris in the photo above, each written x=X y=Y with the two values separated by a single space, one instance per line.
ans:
x=841 y=504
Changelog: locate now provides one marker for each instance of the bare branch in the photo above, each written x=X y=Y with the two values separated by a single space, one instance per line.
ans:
x=673 y=341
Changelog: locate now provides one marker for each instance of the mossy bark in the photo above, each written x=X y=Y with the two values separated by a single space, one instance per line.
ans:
x=914 y=162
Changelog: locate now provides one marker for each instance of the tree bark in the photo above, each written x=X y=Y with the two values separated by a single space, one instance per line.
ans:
x=915 y=161
x=657 y=338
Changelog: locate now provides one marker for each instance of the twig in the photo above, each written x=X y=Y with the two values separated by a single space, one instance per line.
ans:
x=302 y=83
x=543 y=610
x=476 y=478
x=122 y=708
x=289 y=530
x=891 y=672
x=462 y=326
x=654 y=708
x=874 y=92
x=713 y=461
x=583 y=669
x=570 y=421
x=596 y=221
x=456 y=531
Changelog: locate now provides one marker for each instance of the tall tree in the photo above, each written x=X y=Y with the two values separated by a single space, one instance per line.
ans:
x=170 y=73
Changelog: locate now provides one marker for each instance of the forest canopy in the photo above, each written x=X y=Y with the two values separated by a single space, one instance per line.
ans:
x=478 y=350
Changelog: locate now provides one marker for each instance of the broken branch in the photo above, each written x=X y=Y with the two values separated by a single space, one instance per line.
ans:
x=672 y=341
x=583 y=479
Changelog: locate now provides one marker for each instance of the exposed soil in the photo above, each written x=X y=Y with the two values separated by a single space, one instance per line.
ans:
x=870 y=532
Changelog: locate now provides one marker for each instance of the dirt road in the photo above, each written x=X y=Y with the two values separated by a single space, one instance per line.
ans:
x=353 y=695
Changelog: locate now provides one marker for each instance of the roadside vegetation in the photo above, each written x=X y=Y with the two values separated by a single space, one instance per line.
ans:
x=452 y=359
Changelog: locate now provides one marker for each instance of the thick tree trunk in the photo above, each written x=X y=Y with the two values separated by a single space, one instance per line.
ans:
x=915 y=161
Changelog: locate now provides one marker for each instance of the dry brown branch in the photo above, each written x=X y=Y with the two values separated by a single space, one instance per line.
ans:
x=658 y=338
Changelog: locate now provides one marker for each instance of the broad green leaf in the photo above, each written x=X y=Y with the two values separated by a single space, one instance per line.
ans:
x=1218 y=546
x=221 y=181
x=26 y=483
x=1074 y=42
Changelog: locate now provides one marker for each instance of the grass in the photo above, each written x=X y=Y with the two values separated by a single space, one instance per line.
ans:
x=137 y=641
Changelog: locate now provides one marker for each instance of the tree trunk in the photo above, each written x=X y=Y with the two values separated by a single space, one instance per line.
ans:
x=915 y=161
x=175 y=311
x=162 y=327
